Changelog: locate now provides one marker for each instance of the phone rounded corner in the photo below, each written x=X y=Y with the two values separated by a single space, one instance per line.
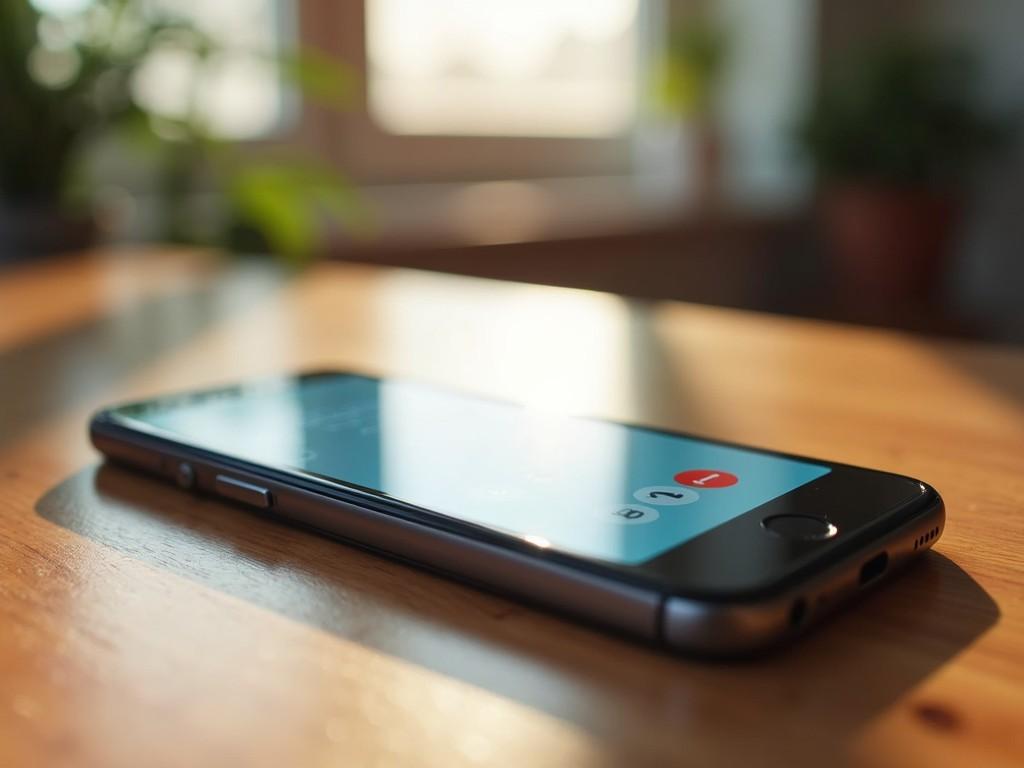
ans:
x=930 y=500
x=98 y=421
x=99 y=428
x=927 y=498
x=935 y=510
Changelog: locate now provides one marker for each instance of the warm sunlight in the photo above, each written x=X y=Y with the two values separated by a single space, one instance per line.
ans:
x=494 y=67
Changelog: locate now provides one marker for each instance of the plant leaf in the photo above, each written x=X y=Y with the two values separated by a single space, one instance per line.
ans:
x=325 y=79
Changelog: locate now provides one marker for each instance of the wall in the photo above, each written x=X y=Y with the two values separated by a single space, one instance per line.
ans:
x=989 y=279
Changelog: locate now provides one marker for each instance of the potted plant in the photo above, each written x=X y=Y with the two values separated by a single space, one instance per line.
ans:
x=57 y=90
x=68 y=80
x=893 y=134
x=688 y=81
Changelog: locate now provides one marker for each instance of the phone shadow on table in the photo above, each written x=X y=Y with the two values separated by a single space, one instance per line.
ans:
x=831 y=682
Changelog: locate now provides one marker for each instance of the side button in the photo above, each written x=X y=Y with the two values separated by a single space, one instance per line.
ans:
x=239 y=490
x=185 y=476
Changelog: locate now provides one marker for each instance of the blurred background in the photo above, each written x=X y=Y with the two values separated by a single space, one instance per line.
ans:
x=851 y=161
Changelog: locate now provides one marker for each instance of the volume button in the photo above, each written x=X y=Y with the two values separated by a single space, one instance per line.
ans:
x=185 y=476
x=239 y=490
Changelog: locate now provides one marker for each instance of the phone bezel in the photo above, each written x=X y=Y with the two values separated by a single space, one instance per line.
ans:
x=737 y=560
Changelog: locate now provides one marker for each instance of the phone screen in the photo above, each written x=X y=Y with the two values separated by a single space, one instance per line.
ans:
x=598 y=489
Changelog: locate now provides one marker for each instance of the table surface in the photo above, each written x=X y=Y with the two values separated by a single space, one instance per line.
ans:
x=140 y=625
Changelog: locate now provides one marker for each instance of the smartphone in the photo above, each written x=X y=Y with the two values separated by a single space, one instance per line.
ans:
x=695 y=544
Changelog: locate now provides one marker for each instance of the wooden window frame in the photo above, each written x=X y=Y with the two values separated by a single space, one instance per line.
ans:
x=369 y=154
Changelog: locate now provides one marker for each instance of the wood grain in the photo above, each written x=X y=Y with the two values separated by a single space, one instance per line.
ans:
x=142 y=626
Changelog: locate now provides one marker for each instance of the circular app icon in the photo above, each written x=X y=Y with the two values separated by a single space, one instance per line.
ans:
x=634 y=514
x=666 y=495
x=706 y=478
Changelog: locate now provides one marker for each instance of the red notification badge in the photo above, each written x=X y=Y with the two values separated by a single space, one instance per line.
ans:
x=706 y=478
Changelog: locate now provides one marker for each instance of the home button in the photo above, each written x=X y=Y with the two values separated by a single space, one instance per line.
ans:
x=806 y=527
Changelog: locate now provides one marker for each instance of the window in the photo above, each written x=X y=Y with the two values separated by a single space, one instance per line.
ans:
x=467 y=90
x=500 y=68
x=238 y=93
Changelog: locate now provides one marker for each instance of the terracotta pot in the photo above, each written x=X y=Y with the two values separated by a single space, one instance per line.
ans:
x=708 y=164
x=28 y=231
x=888 y=244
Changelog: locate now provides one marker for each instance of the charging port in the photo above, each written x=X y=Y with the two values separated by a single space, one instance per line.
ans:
x=873 y=568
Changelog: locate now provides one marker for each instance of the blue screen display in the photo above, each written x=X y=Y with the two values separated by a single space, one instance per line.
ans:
x=598 y=489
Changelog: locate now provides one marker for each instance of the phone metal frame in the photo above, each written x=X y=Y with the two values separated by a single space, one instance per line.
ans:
x=709 y=627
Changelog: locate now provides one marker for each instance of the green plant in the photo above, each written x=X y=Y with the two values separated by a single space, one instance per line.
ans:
x=60 y=85
x=280 y=198
x=903 y=112
x=67 y=80
x=688 y=75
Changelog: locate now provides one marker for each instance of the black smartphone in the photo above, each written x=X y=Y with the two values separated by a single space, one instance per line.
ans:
x=695 y=544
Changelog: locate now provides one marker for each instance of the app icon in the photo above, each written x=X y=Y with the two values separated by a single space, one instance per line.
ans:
x=666 y=495
x=706 y=478
x=634 y=514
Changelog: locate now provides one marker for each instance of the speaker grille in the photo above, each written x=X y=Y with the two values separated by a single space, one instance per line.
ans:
x=926 y=537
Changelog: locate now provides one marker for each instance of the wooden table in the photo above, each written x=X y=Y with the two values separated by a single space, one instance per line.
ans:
x=144 y=627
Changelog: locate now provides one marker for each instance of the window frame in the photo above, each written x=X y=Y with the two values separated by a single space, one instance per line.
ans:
x=369 y=154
